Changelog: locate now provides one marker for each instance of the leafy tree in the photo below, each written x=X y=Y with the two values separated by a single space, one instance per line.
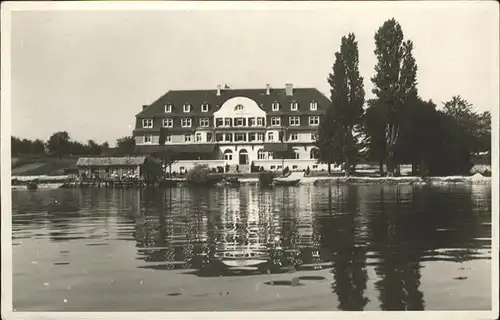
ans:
x=483 y=132
x=474 y=129
x=26 y=146
x=418 y=125
x=59 y=144
x=375 y=138
x=446 y=153
x=93 y=147
x=395 y=86
x=125 y=145
x=38 y=147
x=337 y=138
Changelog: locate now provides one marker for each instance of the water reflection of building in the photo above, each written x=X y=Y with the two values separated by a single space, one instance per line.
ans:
x=307 y=236
x=244 y=230
x=167 y=230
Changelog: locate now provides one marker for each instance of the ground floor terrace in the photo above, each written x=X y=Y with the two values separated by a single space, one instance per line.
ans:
x=238 y=157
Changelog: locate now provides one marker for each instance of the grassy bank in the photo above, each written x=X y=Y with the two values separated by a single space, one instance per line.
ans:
x=42 y=165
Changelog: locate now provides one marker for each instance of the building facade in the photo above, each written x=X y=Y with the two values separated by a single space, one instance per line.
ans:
x=271 y=128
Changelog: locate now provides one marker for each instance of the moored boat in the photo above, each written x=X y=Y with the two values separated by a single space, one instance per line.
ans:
x=285 y=182
x=32 y=185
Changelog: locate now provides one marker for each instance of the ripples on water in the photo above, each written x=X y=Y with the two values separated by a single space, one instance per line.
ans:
x=395 y=230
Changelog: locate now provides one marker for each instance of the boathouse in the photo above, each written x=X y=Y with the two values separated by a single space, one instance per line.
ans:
x=147 y=168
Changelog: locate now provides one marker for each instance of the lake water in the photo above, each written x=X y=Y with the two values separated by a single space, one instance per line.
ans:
x=308 y=248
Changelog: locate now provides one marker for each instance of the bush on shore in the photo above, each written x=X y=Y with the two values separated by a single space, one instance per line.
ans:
x=201 y=175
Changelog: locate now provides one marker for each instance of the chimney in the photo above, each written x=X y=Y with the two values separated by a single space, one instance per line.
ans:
x=289 y=89
x=218 y=89
x=144 y=107
x=268 y=89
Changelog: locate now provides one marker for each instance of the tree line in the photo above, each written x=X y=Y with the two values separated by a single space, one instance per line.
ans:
x=60 y=144
x=397 y=126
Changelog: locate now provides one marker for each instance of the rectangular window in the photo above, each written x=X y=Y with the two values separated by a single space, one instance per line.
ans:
x=198 y=137
x=275 y=121
x=204 y=122
x=240 y=137
x=186 y=122
x=168 y=108
x=187 y=107
x=187 y=138
x=314 y=120
x=313 y=106
x=168 y=123
x=227 y=122
x=260 y=122
x=209 y=137
x=251 y=122
x=295 y=121
x=147 y=123
x=239 y=122
x=204 y=107
x=148 y=138
x=168 y=138
x=294 y=136
x=219 y=137
x=275 y=106
x=219 y=122
x=294 y=106
x=251 y=136
x=260 y=137
x=270 y=136
x=229 y=137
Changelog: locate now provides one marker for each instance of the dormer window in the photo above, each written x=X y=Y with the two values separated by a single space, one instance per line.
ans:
x=147 y=123
x=168 y=123
x=204 y=107
x=294 y=106
x=238 y=108
x=168 y=108
x=187 y=107
x=313 y=106
x=275 y=106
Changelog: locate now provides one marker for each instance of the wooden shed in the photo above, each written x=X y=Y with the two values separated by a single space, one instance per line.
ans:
x=147 y=168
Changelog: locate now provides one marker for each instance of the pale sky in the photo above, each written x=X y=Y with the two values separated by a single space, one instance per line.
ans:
x=89 y=73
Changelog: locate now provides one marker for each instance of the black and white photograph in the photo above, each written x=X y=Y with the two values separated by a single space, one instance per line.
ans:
x=264 y=159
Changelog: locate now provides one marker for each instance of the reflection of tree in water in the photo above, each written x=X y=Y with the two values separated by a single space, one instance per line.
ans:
x=341 y=234
x=399 y=253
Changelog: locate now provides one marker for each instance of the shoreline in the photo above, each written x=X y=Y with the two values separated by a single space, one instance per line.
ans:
x=328 y=181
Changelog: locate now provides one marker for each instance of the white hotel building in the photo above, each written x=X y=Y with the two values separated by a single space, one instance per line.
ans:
x=237 y=127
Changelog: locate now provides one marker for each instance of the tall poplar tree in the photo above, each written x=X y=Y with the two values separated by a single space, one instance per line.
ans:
x=395 y=85
x=337 y=137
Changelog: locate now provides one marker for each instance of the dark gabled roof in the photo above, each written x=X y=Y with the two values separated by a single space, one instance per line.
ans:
x=176 y=149
x=177 y=98
x=110 y=161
